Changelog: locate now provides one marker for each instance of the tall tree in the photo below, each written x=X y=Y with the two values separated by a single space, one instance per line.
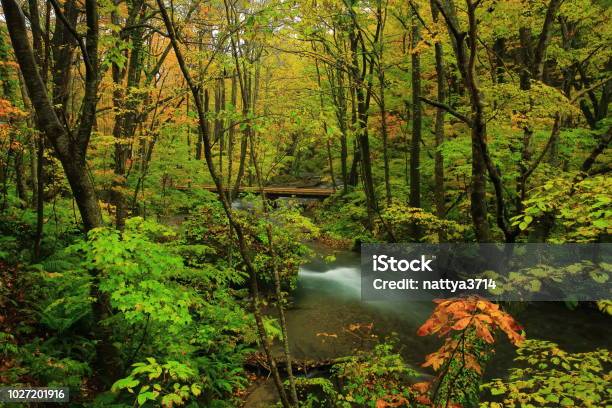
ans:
x=126 y=73
x=70 y=149
x=234 y=224
x=466 y=60
x=439 y=124
x=415 y=145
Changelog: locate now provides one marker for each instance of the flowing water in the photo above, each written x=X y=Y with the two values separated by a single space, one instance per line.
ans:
x=328 y=319
x=327 y=304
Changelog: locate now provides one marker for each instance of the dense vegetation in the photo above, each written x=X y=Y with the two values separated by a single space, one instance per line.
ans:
x=133 y=268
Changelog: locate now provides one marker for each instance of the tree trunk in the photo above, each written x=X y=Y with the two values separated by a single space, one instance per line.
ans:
x=16 y=143
x=40 y=186
x=415 y=145
x=439 y=130
x=126 y=104
x=341 y=114
x=63 y=47
x=539 y=55
x=385 y=135
x=220 y=123
x=362 y=93
x=466 y=60
x=22 y=189
x=71 y=154
x=325 y=131
x=231 y=133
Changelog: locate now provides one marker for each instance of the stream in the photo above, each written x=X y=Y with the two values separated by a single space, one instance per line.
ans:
x=327 y=305
x=327 y=302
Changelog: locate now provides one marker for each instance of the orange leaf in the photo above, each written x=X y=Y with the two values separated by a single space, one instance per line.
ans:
x=483 y=332
x=462 y=323
x=421 y=387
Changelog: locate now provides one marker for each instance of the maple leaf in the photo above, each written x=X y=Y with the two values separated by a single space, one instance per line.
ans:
x=472 y=364
x=435 y=360
x=483 y=332
x=421 y=387
x=462 y=323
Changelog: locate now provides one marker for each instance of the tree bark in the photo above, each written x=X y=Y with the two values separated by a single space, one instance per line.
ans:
x=63 y=49
x=126 y=105
x=385 y=134
x=341 y=109
x=325 y=130
x=539 y=55
x=439 y=129
x=71 y=155
x=465 y=62
x=363 y=89
x=231 y=133
x=415 y=144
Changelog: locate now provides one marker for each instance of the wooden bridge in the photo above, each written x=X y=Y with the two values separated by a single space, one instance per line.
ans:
x=279 y=191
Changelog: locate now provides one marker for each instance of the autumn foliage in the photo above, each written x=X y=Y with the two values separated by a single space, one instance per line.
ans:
x=466 y=324
x=460 y=315
x=482 y=315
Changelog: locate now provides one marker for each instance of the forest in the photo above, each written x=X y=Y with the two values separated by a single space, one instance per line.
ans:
x=185 y=187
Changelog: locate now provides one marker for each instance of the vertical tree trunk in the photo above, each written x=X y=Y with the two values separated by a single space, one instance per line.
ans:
x=63 y=46
x=362 y=93
x=341 y=114
x=203 y=132
x=22 y=189
x=32 y=147
x=439 y=129
x=40 y=203
x=37 y=150
x=241 y=163
x=539 y=55
x=385 y=135
x=466 y=59
x=325 y=130
x=71 y=154
x=231 y=134
x=16 y=143
x=415 y=145
x=221 y=123
x=126 y=102
x=381 y=17
x=353 y=177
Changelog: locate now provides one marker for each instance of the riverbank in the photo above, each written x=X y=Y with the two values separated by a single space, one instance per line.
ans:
x=328 y=320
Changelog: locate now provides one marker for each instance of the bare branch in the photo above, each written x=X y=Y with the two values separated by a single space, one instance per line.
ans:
x=447 y=108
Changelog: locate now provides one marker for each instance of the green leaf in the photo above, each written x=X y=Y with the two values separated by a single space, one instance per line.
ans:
x=196 y=390
x=552 y=398
x=144 y=397
x=498 y=391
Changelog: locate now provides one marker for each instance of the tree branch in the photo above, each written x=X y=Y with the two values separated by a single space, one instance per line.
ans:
x=589 y=89
x=74 y=33
x=553 y=135
x=447 y=108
